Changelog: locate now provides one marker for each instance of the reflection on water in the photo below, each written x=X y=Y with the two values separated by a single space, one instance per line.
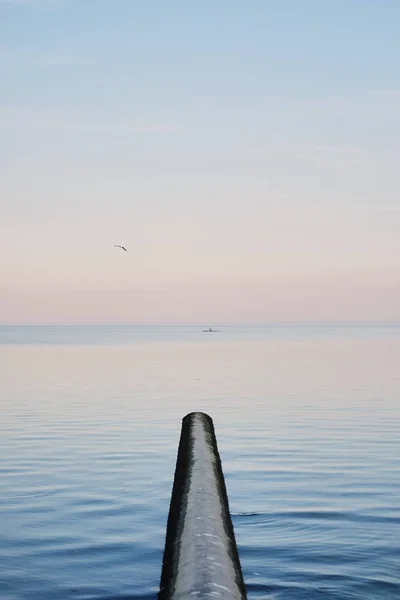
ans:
x=307 y=421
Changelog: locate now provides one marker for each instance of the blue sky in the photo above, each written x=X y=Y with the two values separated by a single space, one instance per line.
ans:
x=246 y=153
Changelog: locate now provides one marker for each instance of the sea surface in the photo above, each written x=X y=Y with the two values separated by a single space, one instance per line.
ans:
x=307 y=419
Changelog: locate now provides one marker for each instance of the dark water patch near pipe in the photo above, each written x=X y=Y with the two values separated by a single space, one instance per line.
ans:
x=311 y=515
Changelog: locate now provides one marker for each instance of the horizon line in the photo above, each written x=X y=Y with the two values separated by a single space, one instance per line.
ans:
x=199 y=323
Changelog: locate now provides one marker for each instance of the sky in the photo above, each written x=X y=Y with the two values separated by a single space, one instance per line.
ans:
x=245 y=153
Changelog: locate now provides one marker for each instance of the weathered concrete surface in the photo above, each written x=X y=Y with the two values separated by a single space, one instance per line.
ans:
x=200 y=557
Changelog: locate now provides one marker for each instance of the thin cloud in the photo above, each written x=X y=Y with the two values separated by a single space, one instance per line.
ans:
x=25 y=119
x=386 y=93
x=62 y=61
x=334 y=149
x=334 y=156
x=33 y=3
x=52 y=60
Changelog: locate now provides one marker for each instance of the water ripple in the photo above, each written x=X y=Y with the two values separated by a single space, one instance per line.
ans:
x=308 y=426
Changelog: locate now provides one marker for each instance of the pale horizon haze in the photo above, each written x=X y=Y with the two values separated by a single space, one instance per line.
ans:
x=245 y=153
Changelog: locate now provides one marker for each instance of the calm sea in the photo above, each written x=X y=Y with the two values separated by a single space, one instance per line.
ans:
x=308 y=425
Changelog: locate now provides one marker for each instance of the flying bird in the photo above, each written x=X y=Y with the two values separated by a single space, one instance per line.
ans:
x=122 y=247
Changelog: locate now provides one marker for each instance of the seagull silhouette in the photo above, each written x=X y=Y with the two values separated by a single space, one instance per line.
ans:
x=118 y=246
